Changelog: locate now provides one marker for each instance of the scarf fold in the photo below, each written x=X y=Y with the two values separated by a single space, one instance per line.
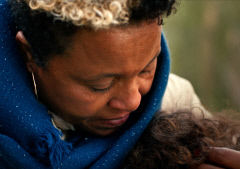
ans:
x=28 y=138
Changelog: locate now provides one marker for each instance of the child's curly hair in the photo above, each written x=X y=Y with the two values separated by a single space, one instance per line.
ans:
x=181 y=141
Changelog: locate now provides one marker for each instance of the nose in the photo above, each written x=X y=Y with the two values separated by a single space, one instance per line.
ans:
x=127 y=98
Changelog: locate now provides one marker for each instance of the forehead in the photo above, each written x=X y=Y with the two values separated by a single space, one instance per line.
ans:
x=115 y=50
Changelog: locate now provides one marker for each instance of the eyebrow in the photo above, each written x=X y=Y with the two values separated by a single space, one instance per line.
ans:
x=109 y=75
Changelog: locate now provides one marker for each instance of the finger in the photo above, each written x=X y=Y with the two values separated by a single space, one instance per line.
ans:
x=208 y=166
x=225 y=157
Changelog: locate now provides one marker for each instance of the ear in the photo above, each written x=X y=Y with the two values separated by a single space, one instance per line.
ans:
x=26 y=49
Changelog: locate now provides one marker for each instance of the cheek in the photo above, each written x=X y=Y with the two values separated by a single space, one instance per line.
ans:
x=146 y=84
x=83 y=102
x=70 y=100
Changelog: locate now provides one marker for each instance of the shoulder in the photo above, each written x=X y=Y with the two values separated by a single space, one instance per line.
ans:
x=180 y=96
x=178 y=88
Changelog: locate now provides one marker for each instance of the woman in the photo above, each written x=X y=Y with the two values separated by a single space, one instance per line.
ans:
x=99 y=74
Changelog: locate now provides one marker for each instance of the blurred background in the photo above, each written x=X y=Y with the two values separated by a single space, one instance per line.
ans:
x=204 y=40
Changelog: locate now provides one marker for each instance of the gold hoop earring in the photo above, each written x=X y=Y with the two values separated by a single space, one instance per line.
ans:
x=34 y=85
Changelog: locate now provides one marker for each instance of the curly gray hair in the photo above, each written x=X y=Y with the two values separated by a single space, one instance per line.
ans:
x=93 y=13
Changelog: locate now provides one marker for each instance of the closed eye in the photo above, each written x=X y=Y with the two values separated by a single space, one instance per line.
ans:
x=100 y=89
x=145 y=72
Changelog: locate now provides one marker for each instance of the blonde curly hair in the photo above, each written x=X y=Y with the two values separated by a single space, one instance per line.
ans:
x=93 y=13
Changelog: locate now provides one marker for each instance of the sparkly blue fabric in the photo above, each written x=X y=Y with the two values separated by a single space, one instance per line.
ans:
x=27 y=137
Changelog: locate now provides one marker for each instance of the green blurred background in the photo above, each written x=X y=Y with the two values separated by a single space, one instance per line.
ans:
x=204 y=38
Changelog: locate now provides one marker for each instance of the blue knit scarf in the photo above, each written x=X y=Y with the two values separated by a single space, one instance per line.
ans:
x=28 y=140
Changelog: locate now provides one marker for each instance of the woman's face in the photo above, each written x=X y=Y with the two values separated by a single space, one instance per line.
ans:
x=102 y=77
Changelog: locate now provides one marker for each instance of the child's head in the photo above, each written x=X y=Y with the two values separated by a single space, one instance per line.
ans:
x=181 y=140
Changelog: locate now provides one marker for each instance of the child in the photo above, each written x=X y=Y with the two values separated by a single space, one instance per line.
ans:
x=180 y=140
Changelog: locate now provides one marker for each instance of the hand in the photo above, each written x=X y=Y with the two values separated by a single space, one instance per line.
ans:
x=220 y=158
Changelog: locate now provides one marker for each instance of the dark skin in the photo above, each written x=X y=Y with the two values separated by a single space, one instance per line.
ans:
x=101 y=77
x=220 y=158
x=99 y=98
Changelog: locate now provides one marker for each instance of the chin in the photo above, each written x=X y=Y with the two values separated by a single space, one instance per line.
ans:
x=97 y=131
x=104 y=133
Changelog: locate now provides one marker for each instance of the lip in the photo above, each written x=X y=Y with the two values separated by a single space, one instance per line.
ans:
x=116 y=122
